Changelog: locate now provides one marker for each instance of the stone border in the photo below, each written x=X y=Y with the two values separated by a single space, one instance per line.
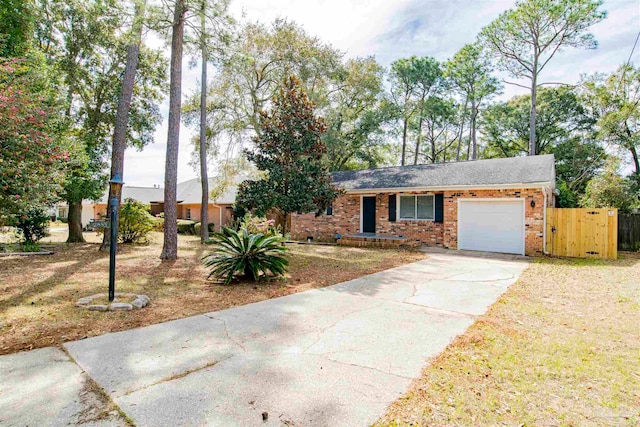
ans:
x=25 y=253
x=139 y=302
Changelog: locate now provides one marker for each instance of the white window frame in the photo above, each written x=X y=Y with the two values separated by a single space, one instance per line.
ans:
x=415 y=209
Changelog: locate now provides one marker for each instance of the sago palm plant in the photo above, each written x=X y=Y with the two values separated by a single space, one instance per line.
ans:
x=242 y=252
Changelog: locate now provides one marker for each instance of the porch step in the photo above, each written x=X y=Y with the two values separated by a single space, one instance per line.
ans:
x=378 y=240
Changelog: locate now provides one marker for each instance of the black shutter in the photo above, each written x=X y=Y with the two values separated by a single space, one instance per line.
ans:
x=439 y=200
x=392 y=207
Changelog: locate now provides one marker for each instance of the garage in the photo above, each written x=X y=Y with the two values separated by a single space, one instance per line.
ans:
x=492 y=225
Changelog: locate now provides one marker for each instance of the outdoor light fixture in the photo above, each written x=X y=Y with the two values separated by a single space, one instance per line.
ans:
x=533 y=204
x=116 y=187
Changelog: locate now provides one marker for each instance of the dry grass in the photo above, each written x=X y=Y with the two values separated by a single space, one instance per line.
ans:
x=560 y=348
x=38 y=293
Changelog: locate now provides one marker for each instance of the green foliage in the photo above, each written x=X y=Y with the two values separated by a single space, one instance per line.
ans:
x=239 y=252
x=356 y=117
x=16 y=27
x=135 y=222
x=84 y=43
x=615 y=99
x=564 y=129
x=290 y=150
x=198 y=227
x=567 y=198
x=186 y=226
x=32 y=225
x=413 y=82
x=609 y=190
x=32 y=158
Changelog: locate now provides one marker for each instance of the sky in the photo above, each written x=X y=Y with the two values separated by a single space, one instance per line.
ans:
x=390 y=30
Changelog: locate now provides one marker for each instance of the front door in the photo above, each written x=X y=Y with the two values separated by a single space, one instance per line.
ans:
x=369 y=214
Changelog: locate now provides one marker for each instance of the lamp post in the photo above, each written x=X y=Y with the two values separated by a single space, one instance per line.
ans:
x=116 y=186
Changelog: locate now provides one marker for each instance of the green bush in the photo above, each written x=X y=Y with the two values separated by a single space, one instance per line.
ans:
x=32 y=226
x=198 y=226
x=135 y=222
x=158 y=223
x=186 y=226
x=239 y=252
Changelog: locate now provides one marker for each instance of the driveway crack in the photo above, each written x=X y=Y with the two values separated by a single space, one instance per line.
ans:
x=226 y=332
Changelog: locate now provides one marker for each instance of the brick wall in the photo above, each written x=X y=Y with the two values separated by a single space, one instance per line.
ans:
x=533 y=217
x=346 y=219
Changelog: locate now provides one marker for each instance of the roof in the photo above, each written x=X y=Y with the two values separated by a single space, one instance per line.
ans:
x=475 y=173
x=190 y=192
x=145 y=195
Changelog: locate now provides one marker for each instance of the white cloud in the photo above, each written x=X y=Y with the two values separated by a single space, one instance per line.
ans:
x=395 y=29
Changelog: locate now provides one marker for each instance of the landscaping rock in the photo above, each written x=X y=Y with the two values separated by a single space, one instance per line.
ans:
x=140 y=301
x=115 y=306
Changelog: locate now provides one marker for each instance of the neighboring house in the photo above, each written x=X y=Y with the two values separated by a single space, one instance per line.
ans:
x=495 y=205
x=189 y=195
x=220 y=209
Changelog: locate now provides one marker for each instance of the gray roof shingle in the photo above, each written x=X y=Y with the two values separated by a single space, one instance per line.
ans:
x=190 y=192
x=505 y=171
x=142 y=194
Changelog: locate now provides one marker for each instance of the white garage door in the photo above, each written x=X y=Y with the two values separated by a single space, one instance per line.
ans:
x=495 y=225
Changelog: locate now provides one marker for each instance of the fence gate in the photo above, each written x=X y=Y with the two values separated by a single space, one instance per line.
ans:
x=582 y=233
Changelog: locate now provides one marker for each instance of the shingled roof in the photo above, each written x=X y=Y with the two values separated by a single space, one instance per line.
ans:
x=474 y=173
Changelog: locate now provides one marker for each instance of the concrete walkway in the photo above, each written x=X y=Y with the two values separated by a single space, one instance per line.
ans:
x=336 y=356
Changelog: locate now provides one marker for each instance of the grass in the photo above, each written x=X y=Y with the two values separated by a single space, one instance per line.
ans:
x=38 y=293
x=560 y=348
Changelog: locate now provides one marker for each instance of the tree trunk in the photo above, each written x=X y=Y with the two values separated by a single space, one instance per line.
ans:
x=418 y=141
x=204 y=177
x=170 y=245
x=75 y=223
x=119 y=143
x=464 y=113
x=632 y=149
x=404 y=140
x=532 y=110
x=433 y=148
x=634 y=154
x=474 y=145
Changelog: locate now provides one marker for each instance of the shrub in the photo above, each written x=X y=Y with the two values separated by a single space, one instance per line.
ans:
x=135 y=222
x=32 y=226
x=186 y=226
x=198 y=226
x=159 y=223
x=259 y=225
x=245 y=253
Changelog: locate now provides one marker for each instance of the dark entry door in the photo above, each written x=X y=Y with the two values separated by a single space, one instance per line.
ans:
x=369 y=214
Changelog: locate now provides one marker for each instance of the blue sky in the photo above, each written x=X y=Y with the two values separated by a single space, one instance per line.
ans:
x=393 y=29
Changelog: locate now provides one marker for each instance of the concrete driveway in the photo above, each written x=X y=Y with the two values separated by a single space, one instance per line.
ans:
x=336 y=356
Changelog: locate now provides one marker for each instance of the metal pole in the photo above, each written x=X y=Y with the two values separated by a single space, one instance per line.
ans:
x=113 y=248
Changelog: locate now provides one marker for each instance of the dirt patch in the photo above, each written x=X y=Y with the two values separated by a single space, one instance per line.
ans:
x=560 y=348
x=38 y=294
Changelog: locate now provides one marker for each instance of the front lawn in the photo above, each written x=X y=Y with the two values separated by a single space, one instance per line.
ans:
x=560 y=348
x=38 y=293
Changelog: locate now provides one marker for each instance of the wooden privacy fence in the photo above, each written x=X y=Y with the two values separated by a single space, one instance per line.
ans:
x=629 y=232
x=582 y=233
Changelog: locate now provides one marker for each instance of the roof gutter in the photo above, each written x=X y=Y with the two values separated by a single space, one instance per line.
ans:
x=451 y=187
